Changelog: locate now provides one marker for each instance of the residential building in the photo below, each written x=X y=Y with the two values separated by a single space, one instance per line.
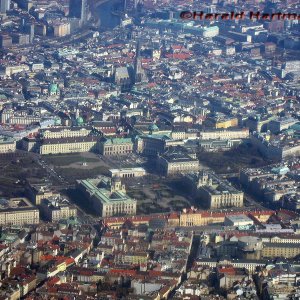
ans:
x=219 y=122
x=221 y=197
x=175 y=161
x=65 y=132
x=38 y=192
x=223 y=134
x=214 y=192
x=219 y=145
x=279 y=124
x=9 y=116
x=271 y=250
x=7 y=144
x=194 y=217
x=227 y=275
x=31 y=144
x=277 y=147
x=259 y=123
x=54 y=209
x=154 y=144
x=5 y=40
x=18 y=211
x=4 y=5
x=10 y=69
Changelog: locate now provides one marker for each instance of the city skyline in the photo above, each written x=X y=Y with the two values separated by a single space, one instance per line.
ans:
x=149 y=149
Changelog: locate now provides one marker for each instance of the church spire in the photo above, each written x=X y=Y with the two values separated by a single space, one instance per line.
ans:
x=139 y=75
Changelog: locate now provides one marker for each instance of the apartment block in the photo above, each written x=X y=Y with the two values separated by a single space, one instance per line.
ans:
x=18 y=211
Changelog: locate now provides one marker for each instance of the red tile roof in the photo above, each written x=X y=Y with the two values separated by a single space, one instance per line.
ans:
x=122 y=272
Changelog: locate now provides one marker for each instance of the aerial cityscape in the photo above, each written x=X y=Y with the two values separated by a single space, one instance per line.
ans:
x=150 y=149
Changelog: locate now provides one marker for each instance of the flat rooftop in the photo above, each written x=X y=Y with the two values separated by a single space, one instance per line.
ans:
x=177 y=157
x=239 y=218
x=6 y=140
x=15 y=204
x=137 y=169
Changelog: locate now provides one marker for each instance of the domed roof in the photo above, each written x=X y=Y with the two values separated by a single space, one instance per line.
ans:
x=57 y=121
x=53 y=87
x=153 y=127
x=79 y=121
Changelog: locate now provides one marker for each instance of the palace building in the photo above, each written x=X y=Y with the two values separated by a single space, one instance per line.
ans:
x=107 y=196
x=69 y=145
x=116 y=146
x=176 y=162
x=213 y=191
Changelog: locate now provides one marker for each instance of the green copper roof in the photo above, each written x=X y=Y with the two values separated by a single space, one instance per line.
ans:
x=117 y=141
x=57 y=121
x=53 y=88
x=104 y=195
x=153 y=127
x=296 y=126
x=79 y=121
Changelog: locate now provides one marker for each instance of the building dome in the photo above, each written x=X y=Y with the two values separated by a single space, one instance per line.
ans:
x=53 y=88
x=57 y=121
x=79 y=121
x=153 y=127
